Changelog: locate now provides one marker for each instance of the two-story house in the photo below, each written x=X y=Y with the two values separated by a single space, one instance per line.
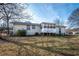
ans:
x=34 y=28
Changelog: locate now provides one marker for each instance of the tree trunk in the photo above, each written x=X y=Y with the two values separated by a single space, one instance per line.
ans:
x=7 y=26
x=7 y=19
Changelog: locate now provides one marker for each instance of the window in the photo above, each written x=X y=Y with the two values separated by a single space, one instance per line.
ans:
x=51 y=26
x=54 y=27
x=28 y=27
x=48 y=26
x=40 y=27
x=44 y=26
x=33 y=26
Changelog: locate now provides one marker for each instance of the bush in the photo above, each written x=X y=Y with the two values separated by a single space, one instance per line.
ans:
x=21 y=33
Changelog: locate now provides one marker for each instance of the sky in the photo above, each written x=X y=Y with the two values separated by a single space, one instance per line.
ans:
x=48 y=12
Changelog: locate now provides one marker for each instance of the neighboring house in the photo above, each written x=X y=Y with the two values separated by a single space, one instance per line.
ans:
x=33 y=28
x=74 y=31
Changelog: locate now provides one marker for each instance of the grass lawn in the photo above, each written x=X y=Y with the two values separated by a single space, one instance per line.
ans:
x=42 y=46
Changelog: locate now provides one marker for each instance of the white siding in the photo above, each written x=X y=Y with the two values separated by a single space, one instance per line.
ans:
x=34 y=31
x=63 y=30
x=47 y=30
x=38 y=29
x=57 y=30
x=18 y=27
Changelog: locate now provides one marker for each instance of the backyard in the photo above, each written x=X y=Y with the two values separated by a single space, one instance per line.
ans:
x=40 y=46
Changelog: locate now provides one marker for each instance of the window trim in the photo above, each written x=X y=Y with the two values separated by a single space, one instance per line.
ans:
x=28 y=27
x=33 y=26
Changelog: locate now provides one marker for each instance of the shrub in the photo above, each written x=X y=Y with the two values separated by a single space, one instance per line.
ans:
x=21 y=33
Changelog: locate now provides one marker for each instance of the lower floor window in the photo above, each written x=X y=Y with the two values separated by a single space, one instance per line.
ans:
x=28 y=27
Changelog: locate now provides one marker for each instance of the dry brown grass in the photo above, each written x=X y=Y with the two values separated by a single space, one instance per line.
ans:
x=42 y=45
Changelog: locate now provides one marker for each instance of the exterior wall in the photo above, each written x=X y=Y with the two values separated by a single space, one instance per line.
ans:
x=62 y=30
x=34 y=31
x=57 y=30
x=38 y=29
x=47 y=30
x=28 y=32
x=18 y=27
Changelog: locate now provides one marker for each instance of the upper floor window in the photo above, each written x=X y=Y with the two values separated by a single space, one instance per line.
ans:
x=33 y=26
x=50 y=26
x=45 y=26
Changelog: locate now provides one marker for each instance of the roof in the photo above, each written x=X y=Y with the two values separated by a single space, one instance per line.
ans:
x=47 y=23
x=24 y=23
x=54 y=24
x=35 y=24
x=74 y=30
x=21 y=23
x=62 y=26
x=29 y=23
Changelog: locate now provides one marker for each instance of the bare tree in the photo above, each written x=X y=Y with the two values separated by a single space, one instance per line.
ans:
x=58 y=23
x=9 y=11
x=74 y=18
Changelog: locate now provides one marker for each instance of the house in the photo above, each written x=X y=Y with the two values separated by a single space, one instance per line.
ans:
x=74 y=31
x=31 y=28
x=34 y=28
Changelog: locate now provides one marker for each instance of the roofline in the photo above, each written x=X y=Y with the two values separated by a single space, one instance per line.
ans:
x=24 y=23
x=61 y=26
x=47 y=23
